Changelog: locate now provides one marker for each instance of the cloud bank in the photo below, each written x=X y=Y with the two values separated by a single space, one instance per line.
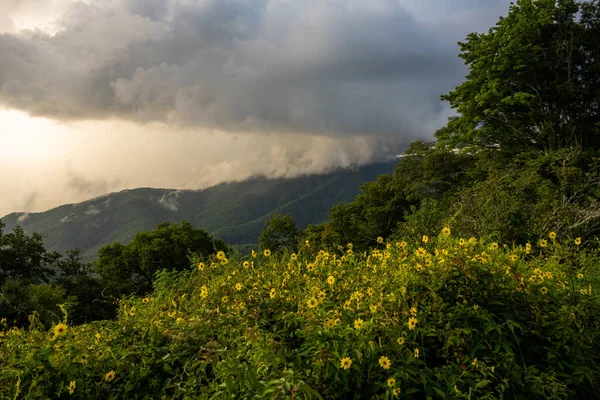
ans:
x=326 y=67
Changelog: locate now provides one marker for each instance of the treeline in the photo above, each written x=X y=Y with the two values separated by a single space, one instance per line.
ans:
x=37 y=286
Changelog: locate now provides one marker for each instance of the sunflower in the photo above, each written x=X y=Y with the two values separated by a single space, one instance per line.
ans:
x=412 y=322
x=109 y=376
x=385 y=362
x=391 y=382
x=221 y=255
x=60 y=329
x=267 y=253
x=345 y=363
x=358 y=324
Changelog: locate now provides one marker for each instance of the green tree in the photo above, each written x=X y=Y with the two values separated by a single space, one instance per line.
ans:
x=280 y=234
x=77 y=279
x=533 y=82
x=130 y=269
x=24 y=257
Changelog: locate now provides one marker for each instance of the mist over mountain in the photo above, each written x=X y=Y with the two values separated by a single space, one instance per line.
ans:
x=234 y=212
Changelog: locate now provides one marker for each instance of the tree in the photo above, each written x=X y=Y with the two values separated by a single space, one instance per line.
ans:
x=533 y=82
x=130 y=269
x=24 y=257
x=280 y=234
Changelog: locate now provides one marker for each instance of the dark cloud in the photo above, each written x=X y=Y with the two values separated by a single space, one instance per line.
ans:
x=334 y=67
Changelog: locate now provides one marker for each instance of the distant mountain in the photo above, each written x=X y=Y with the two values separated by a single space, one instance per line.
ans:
x=235 y=212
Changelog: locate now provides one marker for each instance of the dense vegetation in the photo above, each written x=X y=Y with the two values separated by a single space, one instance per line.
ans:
x=485 y=285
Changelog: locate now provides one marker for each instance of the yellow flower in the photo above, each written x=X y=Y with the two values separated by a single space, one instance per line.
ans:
x=578 y=241
x=60 y=329
x=71 y=387
x=543 y=243
x=253 y=254
x=373 y=308
x=201 y=266
x=145 y=300
x=391 y=382
x=552 y=235
x=446 y=231
x=493 y=246
x=307 y=243
x=245 y=264
x=461 y=242
x=412 y=322
x=425 y=239
x=396 y=391
x=221 y=255
x=580 y=275
x=544 y=290
x=272 y=293
x=475 y=363
x=385 y=362
x=379 y=239
x=527 y=247
x=513 y=257
x=345 y=363
x=109 y=376
x=400 y=341
x=416 y=354
x=358 y=324
x=331 y=280
x=238 y=286
x=311 y=303
x=204 y=292
x=413 y=310
x=267 y=253
x=476 y=307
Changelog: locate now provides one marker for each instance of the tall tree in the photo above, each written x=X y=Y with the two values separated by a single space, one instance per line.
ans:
x=533 y=82
x=280 y=234
x=130 y=268
x=24 y=257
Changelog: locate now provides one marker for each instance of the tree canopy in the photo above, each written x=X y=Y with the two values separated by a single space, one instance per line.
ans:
x=533 y=82
x=130 y=268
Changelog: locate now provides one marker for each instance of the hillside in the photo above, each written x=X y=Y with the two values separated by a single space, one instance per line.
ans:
x=235 y=212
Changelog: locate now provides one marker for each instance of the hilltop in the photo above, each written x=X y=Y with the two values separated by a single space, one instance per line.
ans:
x=234 y=212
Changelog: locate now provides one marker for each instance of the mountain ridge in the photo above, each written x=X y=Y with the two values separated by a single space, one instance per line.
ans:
x=234 y=211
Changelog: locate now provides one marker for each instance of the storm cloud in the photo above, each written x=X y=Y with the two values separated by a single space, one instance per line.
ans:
x=323 y=67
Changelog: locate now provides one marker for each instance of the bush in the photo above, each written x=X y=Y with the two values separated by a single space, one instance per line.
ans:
x=441 y=318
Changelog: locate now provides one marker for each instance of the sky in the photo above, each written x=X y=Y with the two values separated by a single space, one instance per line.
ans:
x=102 y=95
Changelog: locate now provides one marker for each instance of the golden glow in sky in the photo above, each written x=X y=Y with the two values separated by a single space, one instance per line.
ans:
x=28 y=141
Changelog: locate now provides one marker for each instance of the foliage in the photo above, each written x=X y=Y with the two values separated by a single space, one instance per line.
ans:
x=533 y=80
x=443 y=317
x=280 y=235
x=127 y=269
x=23 y=256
